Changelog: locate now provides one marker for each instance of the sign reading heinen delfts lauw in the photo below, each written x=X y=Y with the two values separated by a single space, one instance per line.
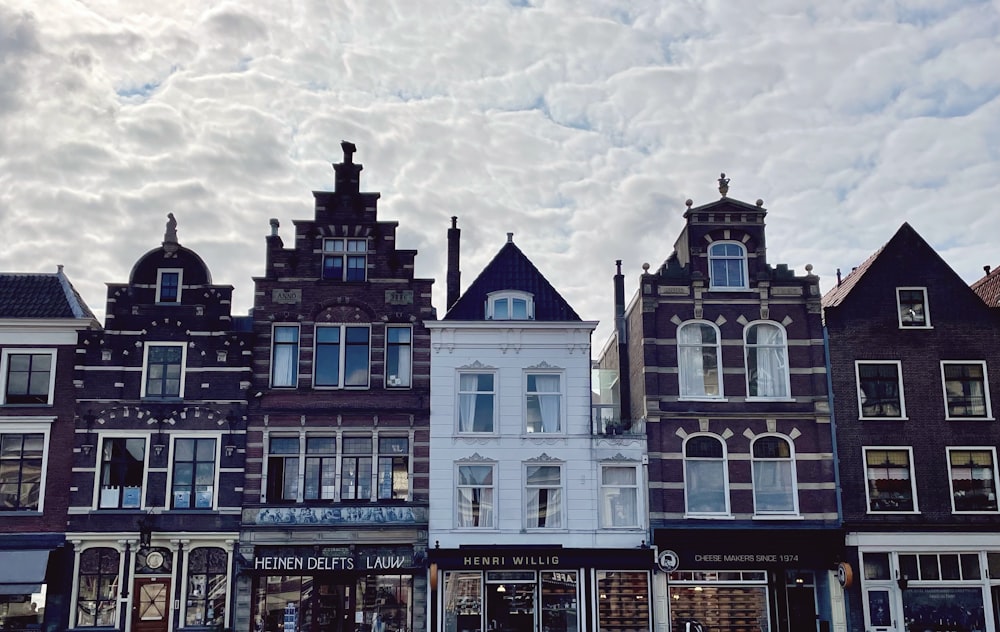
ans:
x=364 y=561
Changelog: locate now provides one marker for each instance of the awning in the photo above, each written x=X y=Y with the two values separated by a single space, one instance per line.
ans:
x=22 y=572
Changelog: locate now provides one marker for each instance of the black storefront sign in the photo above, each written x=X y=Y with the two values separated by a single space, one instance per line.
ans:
x=519 y=557
x=736 y=549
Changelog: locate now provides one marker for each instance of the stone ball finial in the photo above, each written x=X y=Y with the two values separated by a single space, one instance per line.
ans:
x=809 y=268
x=760 y=202
x=688 y=202
x=645 y=267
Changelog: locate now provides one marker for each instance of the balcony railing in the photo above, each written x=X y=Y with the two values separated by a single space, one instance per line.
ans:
x=606 y=422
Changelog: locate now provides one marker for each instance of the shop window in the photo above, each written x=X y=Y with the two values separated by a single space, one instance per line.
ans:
x=29 y=376
x=393 y=468
x=398 y=357
x=463 y=601
x=321 y=468
x=345 y=259
x=207 y=578
x=889 y=473
x=698 y=360
x=97 y=596
x=385 y=603
x=951 y=608
x=619 y=496
x=623 y=601
x=973 y=479
x=285 y=356
x=283 y=469
x=706 y=478
x=123 y=465
x=194 y=474
x=560 y=597
x=168 y=285
x=543 y=495
x=508 y=305
x=163 y=371
x=880 y=390
x=766 y=361
x=342 y=357
x=773 y=476
x=912 y=307
x=476 y=402
x=22 y=462
x=356 y=469
x=965 y=390
x=727 y=266
x=544 y=402
x=474 y=502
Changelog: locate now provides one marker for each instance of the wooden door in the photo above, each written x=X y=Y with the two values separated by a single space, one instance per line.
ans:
x=151 y=604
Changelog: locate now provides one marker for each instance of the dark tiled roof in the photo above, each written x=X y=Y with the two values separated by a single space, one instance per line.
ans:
x=40 y=296
x=842 y=289
x=511 y=270
x=988 y=288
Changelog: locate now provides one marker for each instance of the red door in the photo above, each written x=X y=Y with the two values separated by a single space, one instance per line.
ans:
x=151 y=604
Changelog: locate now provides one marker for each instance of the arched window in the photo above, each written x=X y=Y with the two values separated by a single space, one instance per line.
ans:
x=773 y=476
x=727 y=265
x=208 y=574
x=766 y=361
x=510 y=305
x=706 y=479
x=699 y=360
x=97 y=596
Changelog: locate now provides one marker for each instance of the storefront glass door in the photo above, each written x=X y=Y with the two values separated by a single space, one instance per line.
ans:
x=510 y=601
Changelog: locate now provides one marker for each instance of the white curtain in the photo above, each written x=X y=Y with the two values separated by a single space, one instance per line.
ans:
x=705 y=483
x=283 y=364
x=767 y=362
x=696 y=344
x=619 y=506
x=404 y=367
x=467 y=401
x=548 y=401
x=773 y=486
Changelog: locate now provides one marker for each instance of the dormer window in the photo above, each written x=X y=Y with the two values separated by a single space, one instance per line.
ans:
x=510 y=306
x=345 y=259
x=168 y=286
x=727 y=266
x=913 y=312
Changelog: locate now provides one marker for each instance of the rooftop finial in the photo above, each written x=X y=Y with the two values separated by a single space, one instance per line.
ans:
x=170 y=235
x=723 y=184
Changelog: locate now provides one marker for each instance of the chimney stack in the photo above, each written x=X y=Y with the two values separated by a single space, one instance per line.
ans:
x=348 y=174
x=453 y=279
x=624 y=377
x=619 y=300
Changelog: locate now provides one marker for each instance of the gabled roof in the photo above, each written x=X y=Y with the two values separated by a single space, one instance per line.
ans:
x=843 y=288
x=988 y=288
x=41 y=295
x=510 y=269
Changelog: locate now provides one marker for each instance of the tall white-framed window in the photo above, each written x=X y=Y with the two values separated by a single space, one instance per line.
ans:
x=727 y=266
x=285 y=356
x=543 y=488
x=207 y=583
x=193 y=479
x=475 y=499
x=912 y=308
x=345 y=259
x=619 y=496
x=23 y=463
x=398 y=356
x=29 y=376
x=891 y=486
x=168 y=285
x=706 y=476
x=510 y=305
x=973 y=474
x=163 y=370
x=393 y=468
x=282 y=469
x=543 y=402
x=476 y=402
x=880 y=389
x=97 y=588
x=321 y=467
x=343 y=356
x=123 y=472
x=356 y=467
x=774 y=480
x=766 y=361
x=699 y=360
x=966 y=390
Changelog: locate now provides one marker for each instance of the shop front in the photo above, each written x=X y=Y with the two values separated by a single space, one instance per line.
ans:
x=745 y=580
x=526 y=589
x=31 y=588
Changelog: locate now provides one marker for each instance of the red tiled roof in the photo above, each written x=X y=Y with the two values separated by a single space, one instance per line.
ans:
x=988 y=288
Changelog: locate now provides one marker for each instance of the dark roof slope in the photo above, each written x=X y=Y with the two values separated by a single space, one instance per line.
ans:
x=40 y=296
x=510 y=269
x=988 y=288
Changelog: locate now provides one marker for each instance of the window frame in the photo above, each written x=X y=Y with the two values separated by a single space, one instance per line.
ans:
x=269 y=456
x=78 y=584
x=992 y=451
x=345 y=256
x=205 y=600
x=342 y=345
x=322 y=457
x=744 y=266
x=793 y=475
x=360 y=482
x=5 y=356
x=297 y=352
x=608 y=488
x=508 y=297
x=988 y=413
x=787 y=396
x=143 y=487
x=912 y=472
x=560 y=489
x=33 y=425
x=172 y=473
x=493 y=488
x=494 y=393
x=160 y=273
x=723 y=462
x=390 y=345
x=382 y=455
x=681 y=346
x=899 y=386
x=899 y=308
x=561 y=429
x=144 y=386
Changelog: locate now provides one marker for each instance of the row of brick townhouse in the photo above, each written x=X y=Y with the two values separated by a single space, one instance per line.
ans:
x=743 y=455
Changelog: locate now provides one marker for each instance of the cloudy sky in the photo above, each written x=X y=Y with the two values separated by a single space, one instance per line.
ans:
x=580 y=125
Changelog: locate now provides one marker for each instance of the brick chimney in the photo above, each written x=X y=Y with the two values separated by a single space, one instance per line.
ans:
x=624 y=377
x=453 y=279
x=348 y=174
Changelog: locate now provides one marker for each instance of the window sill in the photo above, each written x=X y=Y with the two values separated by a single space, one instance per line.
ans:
x=976 y=513
x=892 y=513
x=340 y=388
x=916 y=327
x=16 y=405
x=16 y=513
x=697 y=398
x=769 y=399
x=543 y=435
x=989 y=418
x=883 y=418
x=697 y=516
x=789 y=516
x=716 y=288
